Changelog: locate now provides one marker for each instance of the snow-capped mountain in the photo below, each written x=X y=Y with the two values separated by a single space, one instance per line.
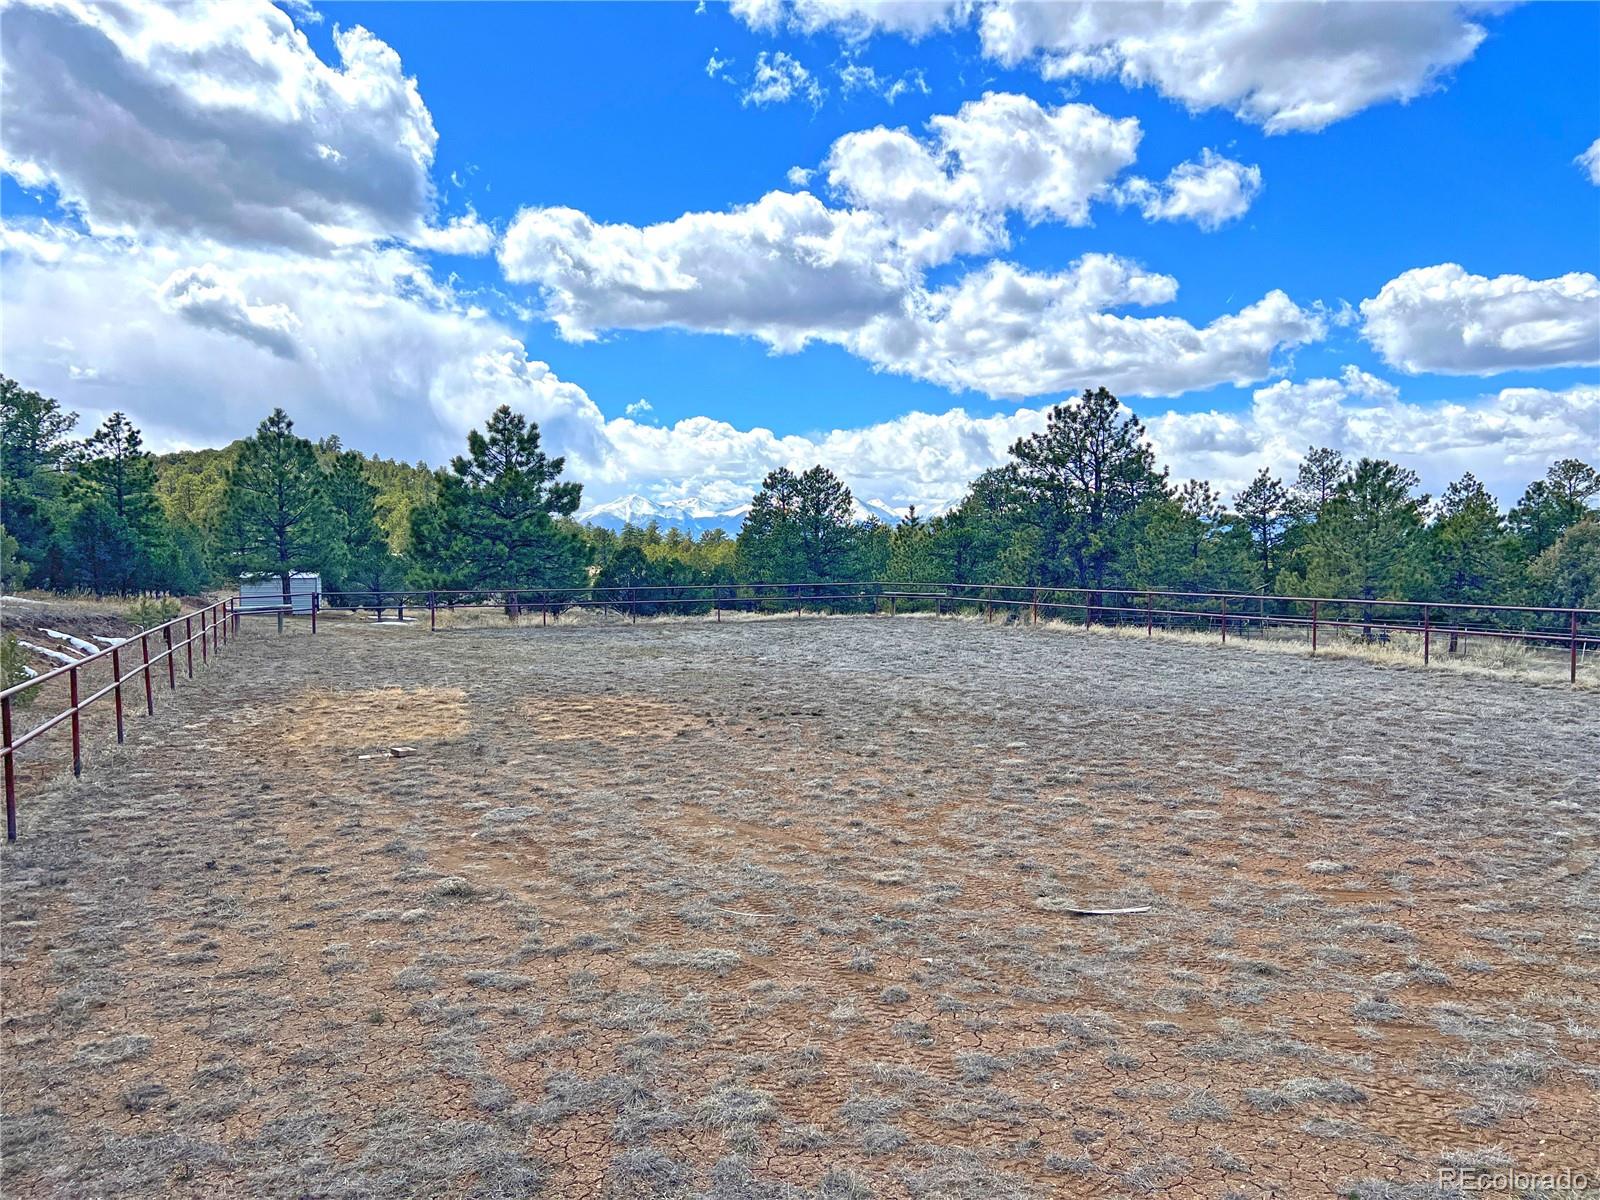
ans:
x=881 y=510
x=692 y=516
x=696 y=514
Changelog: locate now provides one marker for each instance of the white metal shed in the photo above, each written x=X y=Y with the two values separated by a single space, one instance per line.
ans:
x=264 y=593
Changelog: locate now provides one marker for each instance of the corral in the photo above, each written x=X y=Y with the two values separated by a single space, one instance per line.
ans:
x=782 y=907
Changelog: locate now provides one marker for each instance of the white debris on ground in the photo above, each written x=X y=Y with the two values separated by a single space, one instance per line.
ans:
x=58 y=655
x=76 y=642
x=18 y=600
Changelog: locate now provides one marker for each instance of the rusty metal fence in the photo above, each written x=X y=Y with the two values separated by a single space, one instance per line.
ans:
x=1431 y=623
x=208 y=629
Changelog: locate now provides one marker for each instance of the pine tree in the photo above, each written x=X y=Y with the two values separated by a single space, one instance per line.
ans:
x=978 y=540
x=799 y=530
x=1552 y=505
x=113 y=462
x=13 y=570
x=112 y=467
x=1468 y=546
x=105 y=550
x=494 y=523
x=1321 y=472
x=1366 y=543
x=1083 y=486
x=276 y=516
x=1568 y=572
x=34 y=447
x=1266 y=511
x=364 y=562
x=911 y=550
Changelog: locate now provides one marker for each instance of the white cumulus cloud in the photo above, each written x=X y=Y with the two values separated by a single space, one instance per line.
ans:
x=1505 y=438
x=1210 y=192
x=1589 y=160
x=948 y=193
x=790 y=270
x=396 y=362
x=853 y=20
x=786 y=269
x=1007 y=332
x=1447 y=320
x=207 y=297
x=204 y=339
x=1284 y=66
x=779 y=78
x=214 y=119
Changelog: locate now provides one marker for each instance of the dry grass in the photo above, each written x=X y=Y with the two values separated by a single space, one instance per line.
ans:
x=373 y=718
x=695 y=910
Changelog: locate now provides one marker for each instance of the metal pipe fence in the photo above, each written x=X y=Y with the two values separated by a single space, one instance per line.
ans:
x=209 y=627
x=1576 y=630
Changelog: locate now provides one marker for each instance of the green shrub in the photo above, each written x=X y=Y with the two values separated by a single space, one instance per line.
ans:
x=14 y=670
x=148 y=612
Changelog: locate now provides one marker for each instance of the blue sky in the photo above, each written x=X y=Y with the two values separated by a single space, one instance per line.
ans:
x=272 y=236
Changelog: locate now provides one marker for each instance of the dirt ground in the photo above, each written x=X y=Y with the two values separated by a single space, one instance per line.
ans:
x=777 y=909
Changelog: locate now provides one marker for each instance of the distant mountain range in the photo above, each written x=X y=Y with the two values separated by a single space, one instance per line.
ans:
x=696 y=516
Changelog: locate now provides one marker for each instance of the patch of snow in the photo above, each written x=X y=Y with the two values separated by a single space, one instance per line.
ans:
x=107 y=641
x=27 y=670
x=76 y=642
x=58 y=655
x=18 y=600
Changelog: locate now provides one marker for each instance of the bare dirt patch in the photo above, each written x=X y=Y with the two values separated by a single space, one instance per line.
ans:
x=775 y=910
x=352 y=721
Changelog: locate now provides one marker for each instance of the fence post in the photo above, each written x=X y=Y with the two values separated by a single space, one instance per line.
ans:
x=891 y=605
x=172 y=665
x=149 y=693
x=188 y=643
x=1572 y=646
x=1313 y=627
x=1149 y=615
x=204 y=652
x=11 y=770
x=1224 y=620
x=315 y=604
x=77 y=739
x=1035 y=606
x=116 y=675
x=1427 y=636
x=433 y=611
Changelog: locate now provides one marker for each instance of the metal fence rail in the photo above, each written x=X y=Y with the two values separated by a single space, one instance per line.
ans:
x=1577 y=630
x=208 y=628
